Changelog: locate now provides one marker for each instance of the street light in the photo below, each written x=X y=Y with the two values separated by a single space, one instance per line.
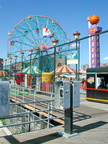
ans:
x=40 y=68
x=15 y=61
x=30 y=51
x=5 y=60
x=54 y=43
x=76 y=36
x=22 y=54
x=5 y=63
x=10 y=58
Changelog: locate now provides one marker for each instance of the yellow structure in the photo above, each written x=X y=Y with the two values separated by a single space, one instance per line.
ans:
x=47 y=77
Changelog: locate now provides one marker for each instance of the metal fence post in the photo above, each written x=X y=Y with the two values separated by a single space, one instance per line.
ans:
x=68 y=107
x=48 y=114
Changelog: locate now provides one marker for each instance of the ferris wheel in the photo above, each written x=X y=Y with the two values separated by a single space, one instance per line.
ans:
x=36 y=33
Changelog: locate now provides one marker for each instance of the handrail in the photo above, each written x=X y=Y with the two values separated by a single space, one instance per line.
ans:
x=21 y=114
x=31 y=121
x=31 y=102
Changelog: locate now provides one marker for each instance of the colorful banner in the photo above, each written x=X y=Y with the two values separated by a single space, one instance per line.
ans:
x=72 y=58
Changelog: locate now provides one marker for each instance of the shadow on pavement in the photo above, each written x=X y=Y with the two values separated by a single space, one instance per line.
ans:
x=80 y=129
x=54 y=136
x=80 y=116
x=38 y=140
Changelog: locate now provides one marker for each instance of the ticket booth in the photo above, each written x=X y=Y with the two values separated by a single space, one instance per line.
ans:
x=97 y=84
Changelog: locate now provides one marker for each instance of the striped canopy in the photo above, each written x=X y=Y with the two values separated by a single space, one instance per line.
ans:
x=65 y=69
x=34 y=70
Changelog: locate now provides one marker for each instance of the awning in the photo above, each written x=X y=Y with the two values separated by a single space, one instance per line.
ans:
x=34 y=70
x=64 y=69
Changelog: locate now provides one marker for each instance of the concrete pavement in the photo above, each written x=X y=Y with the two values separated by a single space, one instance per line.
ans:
x=91 y=126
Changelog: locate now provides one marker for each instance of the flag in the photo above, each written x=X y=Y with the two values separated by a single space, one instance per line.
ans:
x=46 y=32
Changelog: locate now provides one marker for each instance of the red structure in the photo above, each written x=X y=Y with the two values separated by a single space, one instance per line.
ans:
x=47 y=86
x=19 y=77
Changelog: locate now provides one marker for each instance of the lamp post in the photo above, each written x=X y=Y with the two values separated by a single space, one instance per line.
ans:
x=54 y=43
x=5 y=63
x=76 y=36
x=10 y=58
x=22 y=54
x=15 y=61
x=40 y=67
x=30 y=51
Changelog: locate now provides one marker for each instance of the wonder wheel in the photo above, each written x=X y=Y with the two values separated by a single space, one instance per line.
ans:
x=36 y=33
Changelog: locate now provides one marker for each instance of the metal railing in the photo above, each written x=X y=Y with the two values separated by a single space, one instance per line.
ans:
x=28 y=94
x=20 y=118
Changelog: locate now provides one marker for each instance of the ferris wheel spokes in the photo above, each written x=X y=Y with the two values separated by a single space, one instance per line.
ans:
x=38 y=25
x=27 y=36
x=32 y=32
x=23 y=42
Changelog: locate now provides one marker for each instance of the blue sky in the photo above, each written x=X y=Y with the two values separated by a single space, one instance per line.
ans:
x=71 y=14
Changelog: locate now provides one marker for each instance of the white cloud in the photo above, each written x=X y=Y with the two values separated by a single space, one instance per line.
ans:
x=105 y=58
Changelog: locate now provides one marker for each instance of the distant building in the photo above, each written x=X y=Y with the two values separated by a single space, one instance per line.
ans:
x=84 y=67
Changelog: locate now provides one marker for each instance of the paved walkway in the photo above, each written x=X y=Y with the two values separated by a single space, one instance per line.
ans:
x=90 y=128
x=4 y=131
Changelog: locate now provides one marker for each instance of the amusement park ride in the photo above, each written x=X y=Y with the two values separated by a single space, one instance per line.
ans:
x=37 y=33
